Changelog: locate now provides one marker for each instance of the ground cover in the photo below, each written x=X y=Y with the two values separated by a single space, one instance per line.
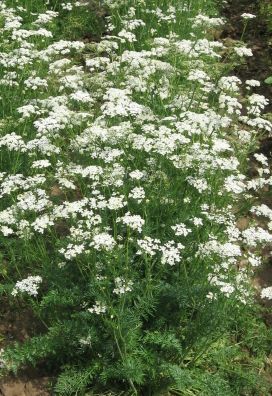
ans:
x=124 y=160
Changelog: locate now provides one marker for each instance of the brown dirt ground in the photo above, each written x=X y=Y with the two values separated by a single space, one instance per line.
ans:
x=16 y=324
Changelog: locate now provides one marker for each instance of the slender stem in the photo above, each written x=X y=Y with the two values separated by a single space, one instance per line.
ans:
x=135 y=392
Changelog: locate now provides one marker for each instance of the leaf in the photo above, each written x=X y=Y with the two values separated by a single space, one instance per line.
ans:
x=74 y=380
x=268 y=80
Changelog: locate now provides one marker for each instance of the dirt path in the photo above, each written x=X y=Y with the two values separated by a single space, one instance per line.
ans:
x=25 y=387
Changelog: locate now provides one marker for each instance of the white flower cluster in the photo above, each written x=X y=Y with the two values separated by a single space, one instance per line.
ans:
x=148 y=246
x=257 y=104
x=137 y=193
x=247 y=16
x=122 y=286
x=130 y=143
x=35 y=83
x=103 y=241
x=181 y=229
x=205 y=21
x=226 y=250
x=243 y=51
x=256 y=235
x=30 y=285
x=137 y=175
x=135 y=222
x=115 y=202
x=267 y=293
x=226 y=288
x=45 y=18
x=171 y=253
x=71 y=251
x=98 y=308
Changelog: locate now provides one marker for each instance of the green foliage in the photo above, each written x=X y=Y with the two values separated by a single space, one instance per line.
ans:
x=196 y=382
x=268 y=80
x=87 y=23
x=266 y=12
x=74 y=381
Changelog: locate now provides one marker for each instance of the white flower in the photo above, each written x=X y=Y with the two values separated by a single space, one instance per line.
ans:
x=81 y=96
x=256 y=104
x=171 y=253
x=231 y=104
x=13 y=142
x=98 y=308
x=72 y=251
x=122 y=286
x=246 y=16
x=262 y=210
x=47 y=17
x=28 y=110
x=135 y=222
x=181 y=229
x=6 y=231
x=243 y=51
x=67 y=6
x=35 y=82
x=137 y=193
x=256 y=235
x=244 y=136
x=235 y=184
x=230 y=83
x=103 y=241
x=197 y=221
x=199 y=76
x=200 y=184
x=41 y=164
x=115 y=202
x=187 y=200
x=33 y=201
x=148 y=246
x=30 y=285
x=267 y=293
x=226 y=250
x=253 y=83
x=2 y=361
x=127 y=36
x=254 y=260
x=211 y=296
x=137 y=175
x=220 y=145
x=262 y=159
x=42 y=223
x=118 y=103
x=227 y=289
x=205 y=21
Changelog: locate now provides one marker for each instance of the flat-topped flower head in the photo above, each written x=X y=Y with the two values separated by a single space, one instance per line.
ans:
x=30 y=285
x=248 y=16
x=103 y=241
x=267 y=293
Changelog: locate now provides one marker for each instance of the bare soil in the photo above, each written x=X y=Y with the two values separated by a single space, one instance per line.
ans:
x=18 y=324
